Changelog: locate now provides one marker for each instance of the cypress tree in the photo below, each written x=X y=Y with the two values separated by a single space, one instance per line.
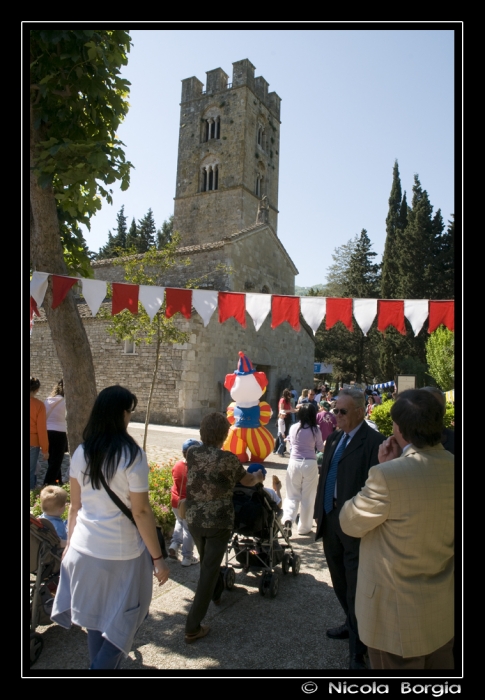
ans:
x=389 y=281
x=416 y=248
x=120 y=236
x=106 y=251
x=132 y=236
x=165 y=234
x=146 y=232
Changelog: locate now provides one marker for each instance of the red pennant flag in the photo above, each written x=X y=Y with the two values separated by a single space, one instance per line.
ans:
x=441 y=312
x=125 y=296
x=178 y=300
x=232 y=305
x=339 y=310
x=285 y=309
x=390 y=313
x=60 y=287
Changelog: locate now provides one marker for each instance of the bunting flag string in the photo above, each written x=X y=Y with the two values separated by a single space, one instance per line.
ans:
x=283 y=308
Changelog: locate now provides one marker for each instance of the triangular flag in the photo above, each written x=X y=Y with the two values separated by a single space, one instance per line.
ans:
x=313 y=311
x=365 y=311
x=204 y=302
x=232 y=305
x=151 y=298
x=60 y=287
x=441 y=312
x=391 y=313
x=285 y=308
x=38 y=286
x=94 y=293
x=178 y=300
x=125 y=296
x=416 y=312
x=339 y=310
x=258 y=307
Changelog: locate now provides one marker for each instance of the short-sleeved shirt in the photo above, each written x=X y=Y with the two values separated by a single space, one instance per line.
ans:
x=102 y=530
x=212 y=475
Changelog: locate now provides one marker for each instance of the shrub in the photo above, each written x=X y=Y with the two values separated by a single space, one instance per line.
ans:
x=381 y=415
x=159 y=493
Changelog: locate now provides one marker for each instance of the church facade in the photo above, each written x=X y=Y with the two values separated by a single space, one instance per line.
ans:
x=226 y=210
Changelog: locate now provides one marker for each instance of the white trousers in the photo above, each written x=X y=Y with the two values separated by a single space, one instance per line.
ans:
x=301 y=489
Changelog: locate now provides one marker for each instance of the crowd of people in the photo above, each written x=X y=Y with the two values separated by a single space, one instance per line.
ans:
x=374 y=499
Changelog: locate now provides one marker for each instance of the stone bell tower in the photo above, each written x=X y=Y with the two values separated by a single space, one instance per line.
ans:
x=228 y=155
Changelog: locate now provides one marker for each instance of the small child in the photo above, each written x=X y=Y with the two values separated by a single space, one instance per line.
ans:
x=280 y=444
x=53 y=501
x=181 y=535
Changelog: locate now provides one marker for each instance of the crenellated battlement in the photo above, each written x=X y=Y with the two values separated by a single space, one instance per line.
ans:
x=242 y=75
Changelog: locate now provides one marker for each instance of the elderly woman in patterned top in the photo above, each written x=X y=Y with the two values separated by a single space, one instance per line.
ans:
x=211 y=477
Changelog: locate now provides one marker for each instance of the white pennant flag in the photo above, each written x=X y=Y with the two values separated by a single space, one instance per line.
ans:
x=204 y=302
x=416 y=312
x=258 y=307
x=365 y=311
x=38 y=286
x=313 y=311
x=151 y=298
x=94 y=293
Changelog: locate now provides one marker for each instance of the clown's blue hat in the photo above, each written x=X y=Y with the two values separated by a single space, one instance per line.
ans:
x=244 y=365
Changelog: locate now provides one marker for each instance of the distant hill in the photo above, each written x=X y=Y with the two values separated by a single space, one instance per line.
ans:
x=303 y=291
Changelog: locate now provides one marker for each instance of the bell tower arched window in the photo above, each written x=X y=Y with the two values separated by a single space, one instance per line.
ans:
x=212 y=128
x=209 y=180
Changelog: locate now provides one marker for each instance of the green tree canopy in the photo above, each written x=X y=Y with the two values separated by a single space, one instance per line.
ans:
x=78 y=101
x=440 y=354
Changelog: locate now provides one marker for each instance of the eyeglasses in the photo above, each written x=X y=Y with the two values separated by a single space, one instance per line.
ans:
x=343 y=411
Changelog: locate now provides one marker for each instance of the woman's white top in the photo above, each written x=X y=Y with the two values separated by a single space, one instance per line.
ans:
x=102 y=530
x=55 y=408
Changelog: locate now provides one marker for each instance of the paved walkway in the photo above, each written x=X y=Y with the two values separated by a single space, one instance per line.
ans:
x=248 y=632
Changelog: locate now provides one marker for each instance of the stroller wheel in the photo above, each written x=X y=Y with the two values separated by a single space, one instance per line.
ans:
x=285 y=563
x=273 y=586
x=264 y=584
x=36 y=646
x=295 y=565
x=229 y=578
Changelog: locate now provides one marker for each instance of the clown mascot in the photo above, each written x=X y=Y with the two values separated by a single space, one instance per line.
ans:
x=247 y=414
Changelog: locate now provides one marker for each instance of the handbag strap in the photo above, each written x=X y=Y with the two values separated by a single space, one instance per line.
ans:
x=117 y=500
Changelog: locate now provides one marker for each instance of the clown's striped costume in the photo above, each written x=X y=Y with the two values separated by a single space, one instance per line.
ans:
x=258 y=440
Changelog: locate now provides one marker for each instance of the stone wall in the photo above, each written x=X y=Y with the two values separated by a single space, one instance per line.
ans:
x=191 y=376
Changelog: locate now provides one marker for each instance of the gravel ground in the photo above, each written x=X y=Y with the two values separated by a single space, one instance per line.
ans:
x=280 y=636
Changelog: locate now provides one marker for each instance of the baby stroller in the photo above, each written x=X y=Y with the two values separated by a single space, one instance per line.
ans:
x=45 y=564
x=258 y=542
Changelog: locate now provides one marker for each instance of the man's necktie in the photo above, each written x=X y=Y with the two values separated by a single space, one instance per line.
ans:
x=332 y=474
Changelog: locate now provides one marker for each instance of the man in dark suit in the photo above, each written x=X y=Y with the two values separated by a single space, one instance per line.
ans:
x=350 y=451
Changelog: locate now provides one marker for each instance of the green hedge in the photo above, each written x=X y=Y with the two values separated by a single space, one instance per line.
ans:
x=382 y=417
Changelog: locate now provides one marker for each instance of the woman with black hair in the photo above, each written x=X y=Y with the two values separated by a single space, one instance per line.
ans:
x=38 y=431
x=305 y=440
x=106 y=573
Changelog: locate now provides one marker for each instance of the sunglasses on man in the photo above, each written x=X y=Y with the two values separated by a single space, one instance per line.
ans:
x=343 y=411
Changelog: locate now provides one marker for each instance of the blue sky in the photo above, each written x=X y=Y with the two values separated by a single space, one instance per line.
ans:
x=353 y=100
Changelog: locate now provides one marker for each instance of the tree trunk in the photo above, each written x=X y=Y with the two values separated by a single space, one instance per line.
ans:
x=152 y=386
x=68 y=333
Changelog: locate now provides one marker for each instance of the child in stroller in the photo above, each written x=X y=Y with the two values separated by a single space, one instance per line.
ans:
x=259 y=542
x=45 y=564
